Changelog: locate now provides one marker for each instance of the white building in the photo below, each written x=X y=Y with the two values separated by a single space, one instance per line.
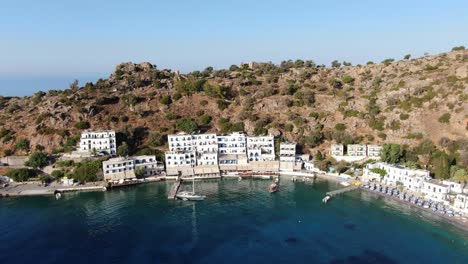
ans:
x=261 y=148
x=118 y=168
x=374 y=150
x=411 y=179
x=461 y=202
x=435 y=190
x=124 y=168
x=204 y=146
x=180 y=142
x=180 y=159
x=356 y=150
x=234 y=143
x=337 y=150
x=149 y=163
x=455 y=187
x=287 y=152
x=99 y=141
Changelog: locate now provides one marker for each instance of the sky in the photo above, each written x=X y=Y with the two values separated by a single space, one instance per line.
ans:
x=46 y=44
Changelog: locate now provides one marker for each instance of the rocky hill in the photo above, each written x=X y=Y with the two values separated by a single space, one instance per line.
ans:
x=407 y=102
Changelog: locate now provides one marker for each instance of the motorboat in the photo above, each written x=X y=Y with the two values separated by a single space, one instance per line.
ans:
x=273 y=188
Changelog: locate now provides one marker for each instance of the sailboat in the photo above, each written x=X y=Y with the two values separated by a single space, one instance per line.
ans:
x=191 y=196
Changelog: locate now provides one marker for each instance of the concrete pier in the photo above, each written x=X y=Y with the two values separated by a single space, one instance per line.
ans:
x=340 y=191
x=174 y=189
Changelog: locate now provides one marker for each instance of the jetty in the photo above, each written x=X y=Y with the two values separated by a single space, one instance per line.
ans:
x=174 y=189
x=340 y=191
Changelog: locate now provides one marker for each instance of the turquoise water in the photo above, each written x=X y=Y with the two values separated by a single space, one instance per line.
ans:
x=239 y=222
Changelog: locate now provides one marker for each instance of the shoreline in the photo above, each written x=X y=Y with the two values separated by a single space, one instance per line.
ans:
x=458 y=221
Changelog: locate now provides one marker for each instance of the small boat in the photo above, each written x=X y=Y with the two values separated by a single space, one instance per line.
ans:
x=190 y=196
x=326 y=199
x=58 y=195
x=239 y=178
x=273 y=188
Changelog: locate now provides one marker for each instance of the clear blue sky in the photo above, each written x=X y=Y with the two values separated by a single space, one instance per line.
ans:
x=62 y=39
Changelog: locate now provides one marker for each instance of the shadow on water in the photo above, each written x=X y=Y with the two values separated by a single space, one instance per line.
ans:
x=367 y=257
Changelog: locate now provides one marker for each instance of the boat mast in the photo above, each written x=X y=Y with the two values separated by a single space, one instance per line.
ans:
x=193 y=184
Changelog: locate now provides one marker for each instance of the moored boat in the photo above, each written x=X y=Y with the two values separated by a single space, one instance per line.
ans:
x=273 y=188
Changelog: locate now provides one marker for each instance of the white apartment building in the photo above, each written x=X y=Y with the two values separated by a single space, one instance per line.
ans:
x=206 y=147
x=99 y=141
x=287 y=152
x=149 y=164
x=180 y=142
x=435 y=190
x=118 y=168
x=261 y=148
x=411 y=179
x=337 y=150
x=180 y=159
x=455 y=187
x=124 y=168
x=234 y=143
x=461 y=202
x=356 y=150
x=373 y=150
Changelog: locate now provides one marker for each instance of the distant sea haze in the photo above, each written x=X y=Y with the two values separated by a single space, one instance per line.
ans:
x=28 y=85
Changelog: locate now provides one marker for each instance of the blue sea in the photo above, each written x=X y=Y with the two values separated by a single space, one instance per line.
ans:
x=239 y=222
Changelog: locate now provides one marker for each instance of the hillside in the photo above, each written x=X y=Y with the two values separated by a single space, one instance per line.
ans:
x=405 y=102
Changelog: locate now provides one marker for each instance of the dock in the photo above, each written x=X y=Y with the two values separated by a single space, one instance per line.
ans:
x=174 y=189
x=340 y=191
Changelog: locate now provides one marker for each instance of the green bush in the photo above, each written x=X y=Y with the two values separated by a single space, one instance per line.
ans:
x=37 y=160
x=187 y=125
x=165 y=100
x=87 y=171
x=205 y=119
x=22 y=144
x=57 y=174
x=458 y=48
x=404 y=116
x=445 y=118
x=82 y=125
x=347 y=79
x=21 y=175
x=340 y=127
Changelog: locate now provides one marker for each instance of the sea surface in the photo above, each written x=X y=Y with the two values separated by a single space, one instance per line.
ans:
x=239 y=222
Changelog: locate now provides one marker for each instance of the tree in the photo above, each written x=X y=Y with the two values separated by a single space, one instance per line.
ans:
x=392 y=153
x=188 y=125
x=441 y=163
x=458 y=48
x=318 y=156
x=21 y=175
x=140 y=172
x=388 y=61
x=155 y=140
x=347 y=79
x=335 y=64
x=87 y=171
x=407 y=56
x=123 y=150
x=345 y=63
x=36 y=160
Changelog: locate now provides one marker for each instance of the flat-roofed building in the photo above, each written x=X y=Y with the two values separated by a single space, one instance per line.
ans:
x=149 y=163
x=261 y=148
x=287 y=152
x=396 y=174
x=180 y=142
x=356 y=150
x=98 y=141
x=234 y=143
x=180 y=159
x=373 y=150
x=118 y=168
x=337 y=150
x=435 y=190
x=461 y=202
